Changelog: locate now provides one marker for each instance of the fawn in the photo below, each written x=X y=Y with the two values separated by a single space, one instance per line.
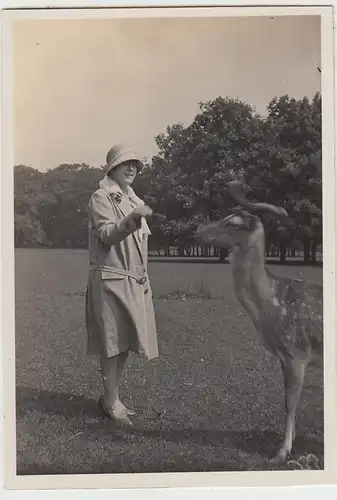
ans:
x=287 y=313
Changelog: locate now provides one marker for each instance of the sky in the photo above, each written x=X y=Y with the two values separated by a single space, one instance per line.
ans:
x=81 y=86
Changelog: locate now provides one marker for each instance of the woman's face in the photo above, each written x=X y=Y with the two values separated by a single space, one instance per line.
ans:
x=124 y=174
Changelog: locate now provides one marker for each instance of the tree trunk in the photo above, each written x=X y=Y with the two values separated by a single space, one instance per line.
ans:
x=205 y=251
x=306 y=250
x=275 y=251
x=223 y=254
x=188 y=250
x=313 y=252
x=181 y=251
x=283 y=253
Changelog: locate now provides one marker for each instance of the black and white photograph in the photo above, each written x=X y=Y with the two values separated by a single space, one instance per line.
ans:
x=172 y=275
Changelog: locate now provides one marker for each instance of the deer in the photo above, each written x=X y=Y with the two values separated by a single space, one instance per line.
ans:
x=286 y=313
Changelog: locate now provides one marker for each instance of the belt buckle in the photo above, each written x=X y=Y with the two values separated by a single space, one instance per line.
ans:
x=142 y=280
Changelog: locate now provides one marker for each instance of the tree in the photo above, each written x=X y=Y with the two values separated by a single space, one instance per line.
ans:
x=51 y=207
x=27 y=188
x=63 y=207
x=188 y=175
x=299 y=133
x=279 y=156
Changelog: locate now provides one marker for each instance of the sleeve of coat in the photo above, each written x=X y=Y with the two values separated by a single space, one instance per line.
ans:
x=104 y=220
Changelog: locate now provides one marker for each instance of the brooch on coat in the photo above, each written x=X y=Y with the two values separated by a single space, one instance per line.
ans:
x=117 y=197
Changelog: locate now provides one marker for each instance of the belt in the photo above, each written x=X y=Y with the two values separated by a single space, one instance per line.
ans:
x=140 y=279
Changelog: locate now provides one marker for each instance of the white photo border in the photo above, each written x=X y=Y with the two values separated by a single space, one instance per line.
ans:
x=170 y=480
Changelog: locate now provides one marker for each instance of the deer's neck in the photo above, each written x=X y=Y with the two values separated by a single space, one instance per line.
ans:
x=251 y=281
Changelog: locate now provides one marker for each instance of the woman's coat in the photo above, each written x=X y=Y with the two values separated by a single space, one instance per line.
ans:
x=119 y=308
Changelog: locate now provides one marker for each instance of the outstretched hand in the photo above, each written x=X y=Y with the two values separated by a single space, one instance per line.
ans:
x=134 y=219
x=142 y=211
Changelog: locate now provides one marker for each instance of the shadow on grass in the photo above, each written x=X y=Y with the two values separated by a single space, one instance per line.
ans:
x=54 y=403
x=252 y=441
x=156 y=427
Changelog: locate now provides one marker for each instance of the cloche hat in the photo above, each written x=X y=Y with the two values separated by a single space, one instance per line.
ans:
x=119 y=154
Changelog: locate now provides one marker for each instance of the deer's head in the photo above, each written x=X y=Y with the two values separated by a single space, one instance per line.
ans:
x=230 y=231
x=238 y=228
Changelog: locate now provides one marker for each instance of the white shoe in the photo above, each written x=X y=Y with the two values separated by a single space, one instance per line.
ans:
x=117 y=413
x=127 y=410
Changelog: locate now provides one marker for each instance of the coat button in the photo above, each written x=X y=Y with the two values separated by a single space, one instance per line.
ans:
x=146 y=291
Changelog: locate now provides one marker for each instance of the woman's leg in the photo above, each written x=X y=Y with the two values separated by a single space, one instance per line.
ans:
x=111 y=370
x=122 y=358
x=121 y=361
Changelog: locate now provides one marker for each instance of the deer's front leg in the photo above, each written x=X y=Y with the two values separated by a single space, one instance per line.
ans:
x=293 y=371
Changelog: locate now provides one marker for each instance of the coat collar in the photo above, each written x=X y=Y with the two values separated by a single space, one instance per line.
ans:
x=111 y=187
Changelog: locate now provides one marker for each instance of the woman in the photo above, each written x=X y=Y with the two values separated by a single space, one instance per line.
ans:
x=119 y=309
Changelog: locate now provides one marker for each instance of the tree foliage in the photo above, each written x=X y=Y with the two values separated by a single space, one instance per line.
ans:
x=279 y=155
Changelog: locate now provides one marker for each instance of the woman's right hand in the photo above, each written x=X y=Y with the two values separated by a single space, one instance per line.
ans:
x=135 y=217
x=142 y=211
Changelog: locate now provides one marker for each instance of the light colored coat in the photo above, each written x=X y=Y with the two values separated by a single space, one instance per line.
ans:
x=119 y=308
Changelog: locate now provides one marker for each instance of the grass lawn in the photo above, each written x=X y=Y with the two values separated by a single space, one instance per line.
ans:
x=212 y=401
